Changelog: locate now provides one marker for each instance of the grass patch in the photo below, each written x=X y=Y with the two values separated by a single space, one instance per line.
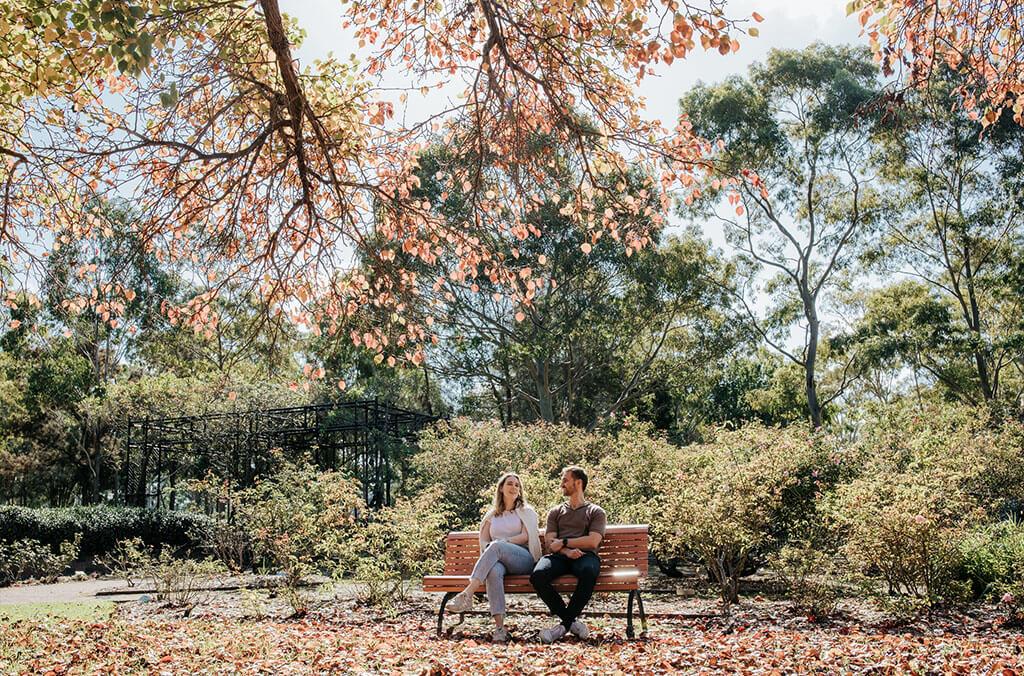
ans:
x=72 y=610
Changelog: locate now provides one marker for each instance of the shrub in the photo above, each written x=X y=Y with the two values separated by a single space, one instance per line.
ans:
x=993 y=559
x=30 y=558
x=959 y=448
x=299 y=521
x=229 y=544
x=398 y=545
x=101 y=527
x=735 y=497
x=810 y=577
x=222 y=536
x=628 y=480
x=126 y=560
x=721 y=521
x=182 y=582
x=465 y=458
x=929 y=475
x=905 y=530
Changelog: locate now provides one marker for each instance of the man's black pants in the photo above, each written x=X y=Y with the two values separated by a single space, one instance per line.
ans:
x=552 y=566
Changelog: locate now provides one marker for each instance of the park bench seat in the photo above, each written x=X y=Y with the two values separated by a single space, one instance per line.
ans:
x=623 y=554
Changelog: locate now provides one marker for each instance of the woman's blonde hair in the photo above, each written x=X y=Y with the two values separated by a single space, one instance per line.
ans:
x=499 y=500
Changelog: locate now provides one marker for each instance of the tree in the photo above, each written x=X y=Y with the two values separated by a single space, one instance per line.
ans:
x=982 y=41
x=957 y=229
x=125 y=286
x=906 y=325
x=66 y=363
x=597 y=323
x=261 y=172
x=796 y=164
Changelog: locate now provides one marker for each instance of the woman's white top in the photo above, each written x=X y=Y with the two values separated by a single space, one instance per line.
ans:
x=528 y=518
x=506 y=526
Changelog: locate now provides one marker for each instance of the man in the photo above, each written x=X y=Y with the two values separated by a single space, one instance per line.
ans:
x=573 y=534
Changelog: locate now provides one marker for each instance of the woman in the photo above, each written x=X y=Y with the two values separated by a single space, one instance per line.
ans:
x=509 y=543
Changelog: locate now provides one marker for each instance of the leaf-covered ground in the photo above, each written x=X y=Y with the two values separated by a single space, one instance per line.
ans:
x=207 y=645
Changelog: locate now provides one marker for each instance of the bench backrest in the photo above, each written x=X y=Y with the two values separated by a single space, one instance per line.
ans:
x=623 y=546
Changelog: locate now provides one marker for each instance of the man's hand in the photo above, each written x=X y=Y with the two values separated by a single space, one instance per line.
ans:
x=572 y=553
x=556 y=546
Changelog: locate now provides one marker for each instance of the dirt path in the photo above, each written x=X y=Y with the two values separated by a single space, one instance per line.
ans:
x=65 y=592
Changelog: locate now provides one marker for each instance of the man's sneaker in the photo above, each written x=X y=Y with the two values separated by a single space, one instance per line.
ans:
x=461 y=602
x=552 y=634
x=579 y=630
x=500 y=635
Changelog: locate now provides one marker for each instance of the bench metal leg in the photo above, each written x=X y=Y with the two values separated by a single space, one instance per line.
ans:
x=643 y=615
x=440 y=613
x=629 y=615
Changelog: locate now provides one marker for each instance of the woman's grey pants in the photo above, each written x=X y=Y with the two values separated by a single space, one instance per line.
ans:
x=500 y=558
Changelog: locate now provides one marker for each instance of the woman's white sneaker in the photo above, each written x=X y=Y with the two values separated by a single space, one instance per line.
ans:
x=462 y=602
x=500 y=635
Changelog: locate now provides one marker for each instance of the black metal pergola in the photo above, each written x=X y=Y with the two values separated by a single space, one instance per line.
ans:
x=368 y=438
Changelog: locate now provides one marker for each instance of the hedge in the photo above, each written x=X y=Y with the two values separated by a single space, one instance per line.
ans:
x=101 y=526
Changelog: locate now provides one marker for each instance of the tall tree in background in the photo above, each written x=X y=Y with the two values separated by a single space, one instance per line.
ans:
x=797 y=166
x=958 y=228
x=598 y=322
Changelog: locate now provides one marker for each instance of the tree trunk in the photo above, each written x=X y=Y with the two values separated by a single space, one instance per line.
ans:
x=974 y=322
x=425 y=401
x=810 y=362
x=545 y=404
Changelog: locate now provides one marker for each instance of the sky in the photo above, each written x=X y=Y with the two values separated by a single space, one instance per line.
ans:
x=788 y=24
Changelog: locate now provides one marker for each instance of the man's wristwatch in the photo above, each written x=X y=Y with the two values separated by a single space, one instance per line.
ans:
x=565 y=542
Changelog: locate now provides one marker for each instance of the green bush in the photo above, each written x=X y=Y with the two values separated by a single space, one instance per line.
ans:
x=101 y=527
x=992 y=558
x=810 y=577
x=181 y=582
x=905 y=530
x=127 y=560
x=737 y=496
x=29 y=558
x=222 y=536
x=958 y=448
x=398 y=545
x=929 y=474
x=299 y=521
x=465 y=459
x=627 y=481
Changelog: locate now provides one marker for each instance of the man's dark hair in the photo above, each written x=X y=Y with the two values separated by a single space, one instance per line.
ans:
x=577 y=473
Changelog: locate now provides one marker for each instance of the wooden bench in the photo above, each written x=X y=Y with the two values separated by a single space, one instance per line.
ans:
x=623 y=554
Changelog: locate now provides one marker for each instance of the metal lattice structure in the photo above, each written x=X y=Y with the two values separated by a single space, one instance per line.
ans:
x=369 y=438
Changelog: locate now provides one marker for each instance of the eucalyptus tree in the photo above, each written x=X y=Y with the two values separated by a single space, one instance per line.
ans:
x=797 y=168
x=603 y=314
x=957 y=230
